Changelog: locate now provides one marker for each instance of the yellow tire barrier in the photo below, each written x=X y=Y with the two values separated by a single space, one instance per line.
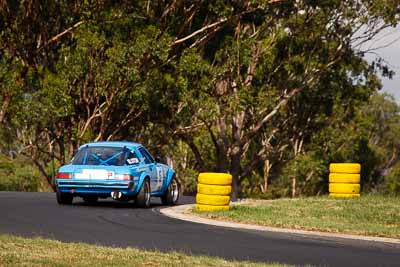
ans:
x=201 y=207
x=222 y=190
x=335 y=195
x=213 y=200
x=345 y=167
x=213 y=191
x=349 y=178
x=344 y=188
x=344 y=180
x=215 y=178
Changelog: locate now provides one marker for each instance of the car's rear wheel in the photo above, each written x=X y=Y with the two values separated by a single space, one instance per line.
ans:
x=142 y=199
x=172 y=193
x=64 y=198
x=90 y=199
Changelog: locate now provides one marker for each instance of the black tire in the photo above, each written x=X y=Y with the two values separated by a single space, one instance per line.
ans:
x=172 y=193
x=64 y=198
x=142 y=199
x=90 y=200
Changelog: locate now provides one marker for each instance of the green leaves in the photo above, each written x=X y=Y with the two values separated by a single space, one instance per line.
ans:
x=235 y=84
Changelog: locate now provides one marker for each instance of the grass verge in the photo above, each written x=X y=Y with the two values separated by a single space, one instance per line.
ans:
x=372 y=215
x=17 y=251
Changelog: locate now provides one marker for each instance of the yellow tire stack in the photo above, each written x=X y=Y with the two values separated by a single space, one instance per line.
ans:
x=344 y=180
x=213 y=191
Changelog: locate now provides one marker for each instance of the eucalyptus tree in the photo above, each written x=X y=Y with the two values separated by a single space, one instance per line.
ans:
x=242 y=63
x=233 y=80
x=59 y=75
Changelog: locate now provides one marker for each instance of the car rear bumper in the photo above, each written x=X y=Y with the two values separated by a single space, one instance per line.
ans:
x=95 y=187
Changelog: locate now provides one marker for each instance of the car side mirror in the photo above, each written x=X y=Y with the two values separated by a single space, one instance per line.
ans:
x=158 y=159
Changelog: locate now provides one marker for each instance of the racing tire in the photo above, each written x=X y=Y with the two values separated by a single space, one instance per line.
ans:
x=90 y=200
x=142 y=199
x=201 y=207
x=345 y=167
x=222 y=190
x=172 y=193
x=349 y=178
x=64 y=198
x=335 y=195
x=212 y=200
x=344 y=188
x=215 y=178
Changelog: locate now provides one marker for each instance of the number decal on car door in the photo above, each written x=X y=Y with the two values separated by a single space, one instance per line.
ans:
x=160 y=176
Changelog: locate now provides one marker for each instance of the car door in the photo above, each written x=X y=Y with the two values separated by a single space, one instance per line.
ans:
x=151 y=166
x=161 y=172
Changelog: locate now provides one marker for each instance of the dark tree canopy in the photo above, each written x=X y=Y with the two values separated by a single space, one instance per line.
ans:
x=260 y=89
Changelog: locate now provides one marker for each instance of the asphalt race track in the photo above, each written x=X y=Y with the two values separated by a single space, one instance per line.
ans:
x=119 y=224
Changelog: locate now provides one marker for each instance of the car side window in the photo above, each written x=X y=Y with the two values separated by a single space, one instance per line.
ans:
x=147 y=158
x=148 y=155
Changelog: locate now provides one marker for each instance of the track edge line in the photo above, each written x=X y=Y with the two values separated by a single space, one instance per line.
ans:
x=181 y=213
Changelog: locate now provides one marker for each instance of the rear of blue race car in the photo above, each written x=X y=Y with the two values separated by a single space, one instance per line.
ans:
x=102 y=170
x=96 y=182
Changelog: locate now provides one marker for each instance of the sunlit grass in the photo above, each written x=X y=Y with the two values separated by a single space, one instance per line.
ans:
x=17 y=251
x=372 y=215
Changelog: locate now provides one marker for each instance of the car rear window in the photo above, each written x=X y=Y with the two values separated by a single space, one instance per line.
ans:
x=107 y=156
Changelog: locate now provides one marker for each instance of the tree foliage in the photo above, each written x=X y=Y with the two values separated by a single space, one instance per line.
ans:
x=260 y=89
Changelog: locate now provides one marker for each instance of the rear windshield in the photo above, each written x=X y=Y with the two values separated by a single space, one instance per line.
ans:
x=107 y=156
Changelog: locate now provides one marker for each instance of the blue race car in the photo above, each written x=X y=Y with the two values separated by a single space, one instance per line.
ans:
x=121 y=170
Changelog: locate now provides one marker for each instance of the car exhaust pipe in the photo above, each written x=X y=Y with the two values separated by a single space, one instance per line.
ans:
x=116 y=195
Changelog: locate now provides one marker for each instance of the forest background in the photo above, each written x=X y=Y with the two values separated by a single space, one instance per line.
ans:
x=269 y=91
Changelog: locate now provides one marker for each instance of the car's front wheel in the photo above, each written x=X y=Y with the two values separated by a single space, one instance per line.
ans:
x=64 y=198
x=172 y=193
x=142 y=200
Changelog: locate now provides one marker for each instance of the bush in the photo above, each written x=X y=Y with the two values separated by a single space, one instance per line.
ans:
x=310 y=173
x=391 y=182
x=18 y=176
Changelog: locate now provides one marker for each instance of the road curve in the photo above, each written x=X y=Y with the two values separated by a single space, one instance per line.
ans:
x=119 y=224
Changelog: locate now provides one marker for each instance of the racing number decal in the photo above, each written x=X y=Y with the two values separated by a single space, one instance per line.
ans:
x=160 y=176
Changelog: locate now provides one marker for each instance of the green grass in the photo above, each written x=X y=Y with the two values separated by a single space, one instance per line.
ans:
x=17 y=251
x=372 y=215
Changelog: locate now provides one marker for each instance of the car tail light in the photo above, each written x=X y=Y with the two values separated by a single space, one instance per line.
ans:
x=63 y=175
x=125 y=177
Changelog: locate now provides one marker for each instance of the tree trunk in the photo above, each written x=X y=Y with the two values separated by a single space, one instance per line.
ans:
x=293 y=186
x=236 y=188
x=4 y=107
x=266 y=169
x=221 y=146
x=235 y=171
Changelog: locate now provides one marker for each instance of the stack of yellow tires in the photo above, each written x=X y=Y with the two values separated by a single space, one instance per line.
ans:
x=213 y=191
x=344 y=180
